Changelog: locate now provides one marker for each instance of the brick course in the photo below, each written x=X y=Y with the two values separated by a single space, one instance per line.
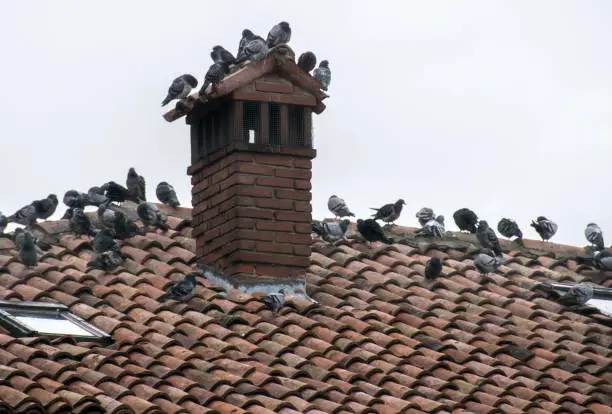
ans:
x=252 y=210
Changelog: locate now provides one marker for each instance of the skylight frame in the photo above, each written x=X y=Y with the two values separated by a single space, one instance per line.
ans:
x=10 y=311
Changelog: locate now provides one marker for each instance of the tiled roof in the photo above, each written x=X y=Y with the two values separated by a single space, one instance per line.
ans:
x=381 y=339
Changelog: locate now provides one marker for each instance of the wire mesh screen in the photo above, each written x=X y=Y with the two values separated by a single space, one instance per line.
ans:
x=251 y=121
x=297 y=130
x=274 y=123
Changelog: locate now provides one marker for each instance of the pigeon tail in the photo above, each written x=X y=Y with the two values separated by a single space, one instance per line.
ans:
x=386 y=240
x=166 y=101
x=165 y=297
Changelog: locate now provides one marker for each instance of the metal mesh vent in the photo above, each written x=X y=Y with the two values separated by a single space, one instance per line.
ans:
x=275 y=123
x=297 y=130
x=251 y=128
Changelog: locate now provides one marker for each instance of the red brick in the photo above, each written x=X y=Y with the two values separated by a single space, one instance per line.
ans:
x=209 y=192
x=223 y=196
x=302 y=250
x=303 y=206
x=274 y=248
x=275 y=203
x=303 y=228
x=302 y=185
x=269 y=258
x=255 y=169
x=303 y=163
x=274 y=87
x=293 y=173
x=247 y=201
x=227 y=205
x=292 y=216
x=244 y=223
x=275 y=182
x=263 y=192
x=294 y=194
x=294 y=238
x=237 y=179
x=200 y=186
x=219 y=176
x=254 y=213
x=255 y=235
x=274 y=226
x=210 y=213
x=281 y=160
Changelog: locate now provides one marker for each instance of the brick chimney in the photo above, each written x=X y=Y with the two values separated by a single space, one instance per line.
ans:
x=251 y=145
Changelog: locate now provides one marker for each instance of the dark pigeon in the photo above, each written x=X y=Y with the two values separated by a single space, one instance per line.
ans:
x=167 y=195
x=215 y=74
x=488 y=239
x=424 y=215
x=255 y=49
x=307 y=61
x=331 y=231
x=279 y=34
x=275 y=301
x=594 y=235
x=80 y=223
x=151 y=216
x=433 y=268
x=117 y=193
x=389 y=212
x=220 y=54
x=136 y=185
x=466 y=220
x=323 y=74
x=96 y=197
x=103 y=241
x=433 y=228
x=75 y=199
x=107 y=216
x=372 y=232
x=126 y=228
x=577 y=295
x=246 y=36
x=603 y=260
x=487 y=262
x=180 y=88
x=26 y=244
x=38 y=209
x=182 y=290
x=107 y=261
x=3 y=222
x=508 y=228
x=338 y=207
x=546 y=228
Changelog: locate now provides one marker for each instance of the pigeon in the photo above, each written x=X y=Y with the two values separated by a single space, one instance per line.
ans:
x=307 y=61
x=466 y=220
x=389 y=212
x=323 y=74
x=103 y=241
x=603 y=260
x=508 y=228
x=180 y=88
x=26 y=244
x=371 y=231
x=96 y=197
x=80 y=223
x=117 y=193
x=255 y=49
x=126 y=228
x=594 y=235
x=75 y=199
x=487 y=238
x=151 y=215
x=107 y=261
x=246 y=36
x=220 y=54
x=433 y=268
x=279 y=34
x=433 y=228
x=215 y=74
x=38 y=209
x=331 y=231
x=275 y=301
x=166 y=194
x=546 y=228
x=136 y=185
x=182 y=290
x=3 y=222
x=107 y=216
x=338 y=207
x=487 y=262
x=424 y=215
x=577 y=295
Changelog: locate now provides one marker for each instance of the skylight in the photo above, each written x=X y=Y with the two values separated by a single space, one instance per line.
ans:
x=602 y=297
x=28 y=319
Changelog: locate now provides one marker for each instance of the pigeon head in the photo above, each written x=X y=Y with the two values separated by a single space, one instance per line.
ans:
x=591 y=225
x=191 y=277
x=132 y=172
x=53 y=198
x=247 y=33
x=324 y=64
x=284 y=26
x=440 y=219
x=483 y=224
x=400 y=202
x=191 y=80
x=282 y=292
x=163 y=183
x=28 y=237
x=18 y=230
x=359 y=221
x=541 y=218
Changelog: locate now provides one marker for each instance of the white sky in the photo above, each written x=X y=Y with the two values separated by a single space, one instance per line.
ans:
x=503 y=107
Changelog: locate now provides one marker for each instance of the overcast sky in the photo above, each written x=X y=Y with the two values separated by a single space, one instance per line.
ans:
x=501 y=106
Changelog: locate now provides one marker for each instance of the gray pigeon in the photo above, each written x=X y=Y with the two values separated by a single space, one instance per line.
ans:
x=279 y=34
x=107 y=261
x=182 y=290
x=508 y=228
x=338 y=207
x=546 y=228
x=215 y=74
x=80 y=223
x=275 y=301
x=26 y=244
x=167 y=195
x=307 y=61
x=117 y=193
x=246 y=36
x=103 y=241
x=151 y=215
x=487 y=262
x=594 y=235
x=107 y=216
x=96 y=197
x=220 y=54
x=424 y=215
x=433 y=268
x=577 y=295
x=331 y=231
x=75 y=199
x=255 y=49
x=603 y=260
x=136 y=185
x=126 y=228
x=38 y=209
x=389 y=212
x=180 y=88
x=433 y=228
x=323 y=74
x=3 y=222
x=487 y=238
